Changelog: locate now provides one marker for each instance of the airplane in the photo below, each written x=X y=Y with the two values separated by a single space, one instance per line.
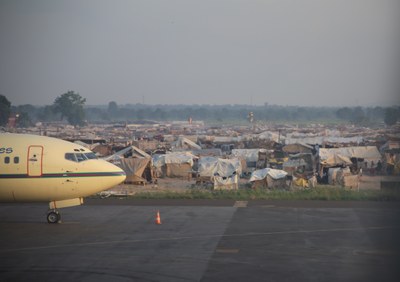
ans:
x=36 y=168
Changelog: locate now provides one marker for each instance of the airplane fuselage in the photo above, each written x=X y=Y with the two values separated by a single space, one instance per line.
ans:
x=38 y=168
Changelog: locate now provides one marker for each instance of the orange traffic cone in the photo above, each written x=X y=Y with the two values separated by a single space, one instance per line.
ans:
x=158 y=218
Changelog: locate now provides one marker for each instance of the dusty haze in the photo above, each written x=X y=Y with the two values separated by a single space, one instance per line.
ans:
x=309 y=52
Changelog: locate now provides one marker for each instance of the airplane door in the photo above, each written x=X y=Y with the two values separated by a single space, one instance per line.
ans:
x=35 y=159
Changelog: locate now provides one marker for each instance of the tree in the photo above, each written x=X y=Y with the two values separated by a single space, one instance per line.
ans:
x=112 y=108
x=47 y=113
x=24 y=120
x=358 y=115
x=344 y=113
x=5 y=106
x=70 y=105
x=391 y=116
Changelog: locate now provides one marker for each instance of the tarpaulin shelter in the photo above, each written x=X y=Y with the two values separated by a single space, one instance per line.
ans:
x=324 y=140
x=134 y=162
x=331 y=157
x=176 y=164
x=184 y=143
x=224 y=173
x=343 y=177
x=305 y=160
x=391 y=154
x=268 y=177
x=135 y=169
x=272 y=136
x=130 y=151
x=297 y=148
x=249 y=155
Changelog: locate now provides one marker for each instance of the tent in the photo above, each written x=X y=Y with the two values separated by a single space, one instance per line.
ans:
x=135 y=163
x=268 y=177
x=272 y=136
x=249 y=155
x=297 y=148
x=184 y=143
x=300 y=160
x=324 y=140
x=177 y=164
x=134 y=169
x=341 y=156
x=223 y=173
x=343 y=177
x=128 y=151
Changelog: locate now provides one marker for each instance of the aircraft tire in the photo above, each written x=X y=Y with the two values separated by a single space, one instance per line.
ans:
x=53 y=217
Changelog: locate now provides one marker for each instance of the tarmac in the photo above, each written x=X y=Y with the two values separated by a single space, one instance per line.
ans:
x=201 y=240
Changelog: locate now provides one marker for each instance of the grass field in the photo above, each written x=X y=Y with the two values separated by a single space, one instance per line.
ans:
x=328 y=193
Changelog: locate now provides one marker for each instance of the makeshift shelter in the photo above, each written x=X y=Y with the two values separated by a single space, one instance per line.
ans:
x=333 y=157
x=324 y=140
x=297 y=148
x=177 y=164
x=249 y=155
x=391 y=157
x=214 y=152
x=102 y=150
x=268 y=177
x=184 y=144
x=135 y=163
x=272 y=136
x=304 y=160
x=343 y=177
x=223 y=173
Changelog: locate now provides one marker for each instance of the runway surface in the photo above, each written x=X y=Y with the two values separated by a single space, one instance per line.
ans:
x=118 y=240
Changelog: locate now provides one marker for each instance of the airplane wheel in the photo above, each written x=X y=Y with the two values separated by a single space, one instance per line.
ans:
x=53 y=217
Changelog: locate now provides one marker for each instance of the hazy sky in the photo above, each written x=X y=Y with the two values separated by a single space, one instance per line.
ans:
x=299 y=52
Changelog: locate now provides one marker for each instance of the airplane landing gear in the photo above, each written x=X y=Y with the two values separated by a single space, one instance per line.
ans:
x=53 y=216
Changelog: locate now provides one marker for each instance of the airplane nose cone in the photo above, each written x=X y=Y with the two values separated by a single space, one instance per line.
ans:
x=119 y=174
x=121 y=178
x=113 y=175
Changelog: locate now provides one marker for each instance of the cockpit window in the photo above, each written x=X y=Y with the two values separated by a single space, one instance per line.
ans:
x=70 y=157
x=80 y=157
x=91 y=156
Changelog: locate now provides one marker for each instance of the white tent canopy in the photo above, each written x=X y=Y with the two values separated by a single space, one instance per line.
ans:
x=173 y=158
x=338 y=156
x=224 y=173
x=272 y=136
x=183 y=143
x=210 y=166
x=250 y=155
x=324 y=139
x=261 y=174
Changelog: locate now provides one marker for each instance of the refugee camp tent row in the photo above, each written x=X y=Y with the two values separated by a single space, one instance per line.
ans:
x=338 y=161
x=324 y=140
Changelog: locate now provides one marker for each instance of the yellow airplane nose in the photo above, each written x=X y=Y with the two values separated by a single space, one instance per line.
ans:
x=118 y=174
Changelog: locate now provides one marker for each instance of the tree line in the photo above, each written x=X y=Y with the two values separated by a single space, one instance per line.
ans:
x=70 y=107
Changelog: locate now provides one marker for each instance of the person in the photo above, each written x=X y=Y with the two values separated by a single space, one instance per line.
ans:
x=372 y=169
x=379 y=167
x=390 y=165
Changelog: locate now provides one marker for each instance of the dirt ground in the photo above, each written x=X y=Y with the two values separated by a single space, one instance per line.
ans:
x=163 y=184
x=180 y=185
